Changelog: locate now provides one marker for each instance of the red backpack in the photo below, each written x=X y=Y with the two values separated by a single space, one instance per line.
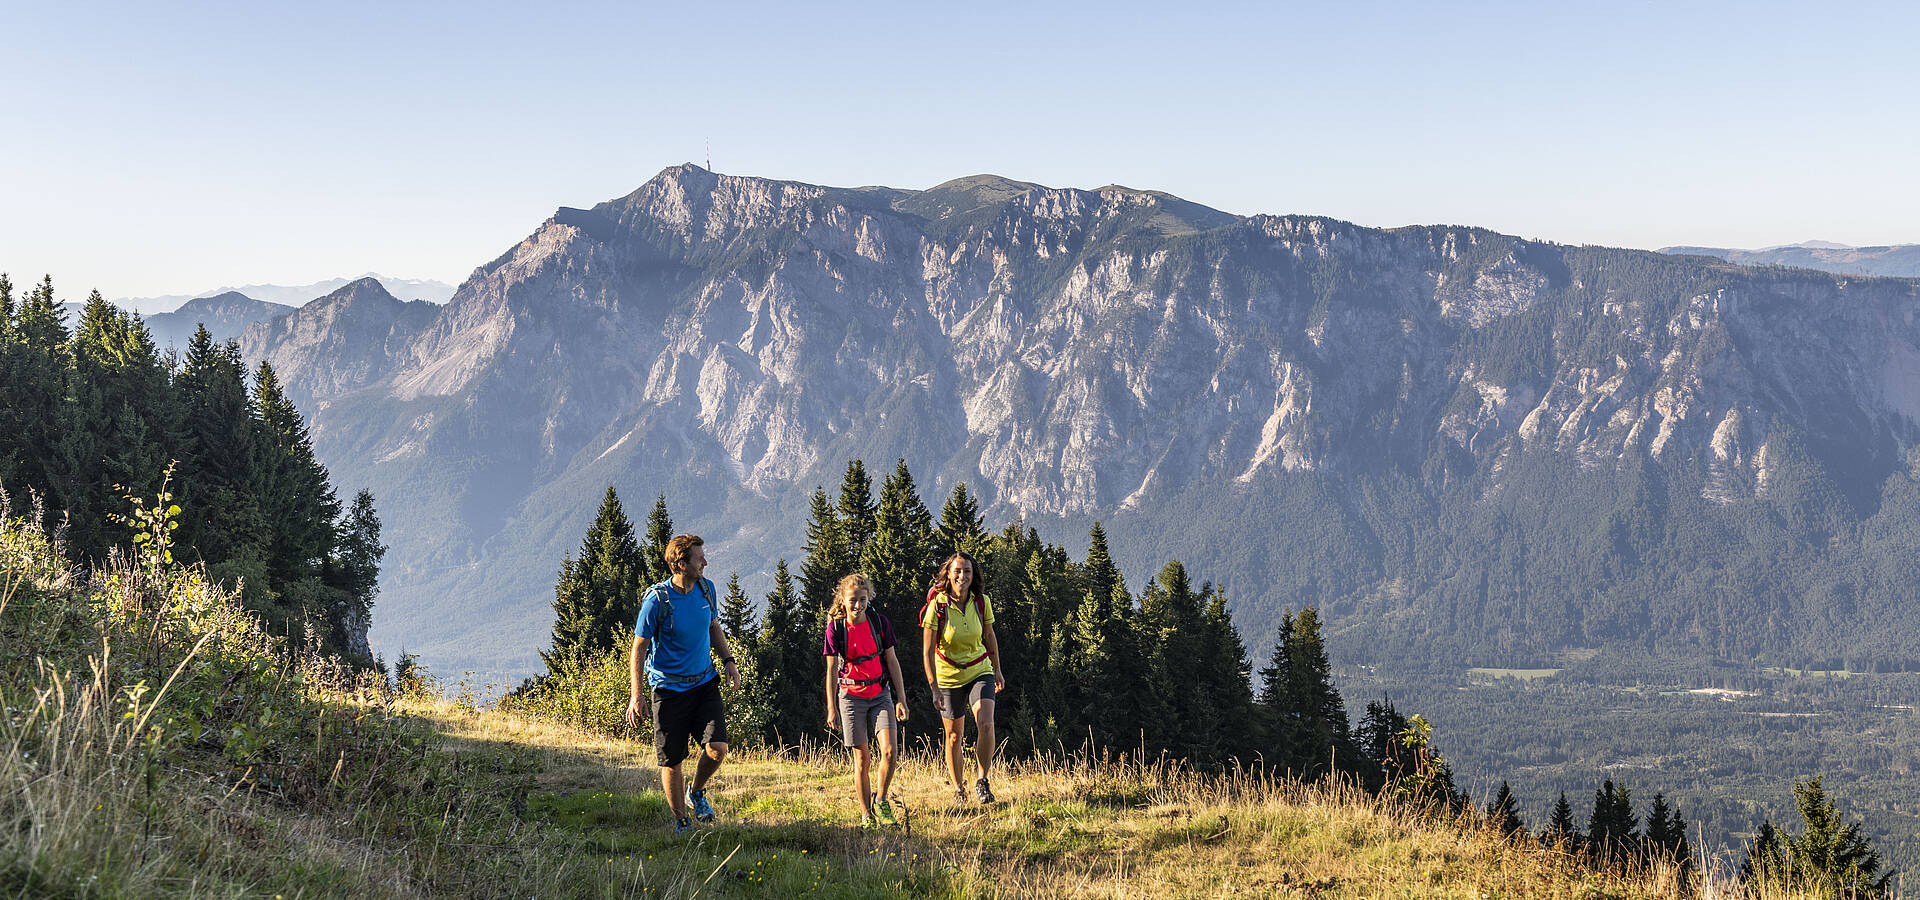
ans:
x=940 y=622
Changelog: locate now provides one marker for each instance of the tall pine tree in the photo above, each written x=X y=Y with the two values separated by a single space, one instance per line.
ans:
x=961 y=528
x=597 y=596
x=296 y=496
x=856 y=508
x=119 y=421
x=1504 y=813
x=1610 y=828
x=654 y=554
x=1560 y=830
x=798 y=704
x=736 y=615
x=898 y=557
x=356 y=571
x=34 y=448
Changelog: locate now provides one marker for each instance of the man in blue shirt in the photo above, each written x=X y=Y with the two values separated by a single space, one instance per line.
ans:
x=676 y=635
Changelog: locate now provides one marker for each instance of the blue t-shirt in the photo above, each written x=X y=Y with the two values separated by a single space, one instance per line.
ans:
x=680 y=648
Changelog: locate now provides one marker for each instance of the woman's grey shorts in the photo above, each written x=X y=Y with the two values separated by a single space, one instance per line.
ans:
x=863 y=717
x=954 y=702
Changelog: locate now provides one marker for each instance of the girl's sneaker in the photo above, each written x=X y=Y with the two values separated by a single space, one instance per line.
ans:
x=884 y=812
x=702 y=810
x=682 y=825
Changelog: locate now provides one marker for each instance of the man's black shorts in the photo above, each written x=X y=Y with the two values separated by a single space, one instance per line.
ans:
x=678 y=716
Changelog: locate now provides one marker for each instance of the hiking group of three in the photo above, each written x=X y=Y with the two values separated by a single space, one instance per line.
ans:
x=672 y=672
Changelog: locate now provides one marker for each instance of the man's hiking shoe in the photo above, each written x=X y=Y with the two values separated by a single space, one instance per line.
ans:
x=960 y=797
x=868 y=824
x=983 y=792
x=702 y=810
x=682 y=825
x=883 y=811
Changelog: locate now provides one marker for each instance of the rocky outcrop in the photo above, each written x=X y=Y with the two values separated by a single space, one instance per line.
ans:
x=339 y=343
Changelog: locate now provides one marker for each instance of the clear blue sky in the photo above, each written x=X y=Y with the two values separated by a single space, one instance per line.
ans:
x=170 y=148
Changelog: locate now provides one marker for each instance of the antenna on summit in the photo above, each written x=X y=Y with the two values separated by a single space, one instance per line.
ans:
x=709 y=154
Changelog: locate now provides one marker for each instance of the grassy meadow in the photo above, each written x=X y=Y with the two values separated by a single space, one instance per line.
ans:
x=157 y=743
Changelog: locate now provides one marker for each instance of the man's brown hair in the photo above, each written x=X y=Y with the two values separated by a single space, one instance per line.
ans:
x=678 y=548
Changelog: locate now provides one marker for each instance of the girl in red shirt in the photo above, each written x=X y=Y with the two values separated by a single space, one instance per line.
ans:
x=859 y=701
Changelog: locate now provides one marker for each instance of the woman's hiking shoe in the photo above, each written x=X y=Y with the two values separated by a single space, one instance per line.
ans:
x=883 y=811
x=702 y=810
x=960 y=796
x=868 y=824
x=983 y=792
x=682 y=825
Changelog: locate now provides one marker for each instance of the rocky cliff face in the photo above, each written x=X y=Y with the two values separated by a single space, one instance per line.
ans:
x=337 y=343
x=1071 y=355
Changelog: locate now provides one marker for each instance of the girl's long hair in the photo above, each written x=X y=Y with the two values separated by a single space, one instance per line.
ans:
x=842 y=609
x=974 y=588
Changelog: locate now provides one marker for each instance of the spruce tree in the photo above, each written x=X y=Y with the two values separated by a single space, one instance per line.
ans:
x=1766 y=862
x=597 y=596
x=119 y=420
x=898 y=559
x=9 y=417
x=654 y=554
x=1504 y=813
x=1224 y=673
x=1611 y=825
x=34 y=448
x=1560 y=830
x=1273 y=676
x=736 y=615
x=961 y=528
x=1310 y=694
x=1666 y=834
x=856 y=510
x=797 y=702
x=1828 y=858
x=1170 y=626
x=357 y=569
x=296 y=496
x=828 y=559
x=1111 y=668
x=1377 y=741
x=219 y=436
x=1099 y=577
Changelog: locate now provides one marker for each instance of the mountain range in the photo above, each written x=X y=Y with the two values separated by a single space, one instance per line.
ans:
x=291 y=295
x=1466 y=448
x=1899 y=260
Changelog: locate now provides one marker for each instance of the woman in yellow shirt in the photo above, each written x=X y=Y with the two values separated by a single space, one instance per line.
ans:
x=962 y=660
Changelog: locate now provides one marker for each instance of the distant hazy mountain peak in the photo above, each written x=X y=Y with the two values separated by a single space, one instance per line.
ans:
x=1813 y=245
x=364 y=287
x=1896 y=260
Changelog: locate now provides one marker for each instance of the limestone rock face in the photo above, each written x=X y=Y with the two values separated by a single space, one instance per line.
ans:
x=731 y=342
x=338 y=343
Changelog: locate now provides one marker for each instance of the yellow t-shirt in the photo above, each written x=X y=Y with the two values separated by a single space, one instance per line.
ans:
x=960 y=641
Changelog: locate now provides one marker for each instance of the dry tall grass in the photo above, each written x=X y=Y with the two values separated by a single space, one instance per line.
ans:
x=1079 y=827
